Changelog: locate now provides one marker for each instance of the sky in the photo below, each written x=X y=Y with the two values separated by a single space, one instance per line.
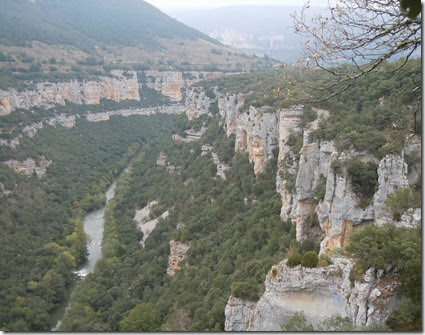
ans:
x=166 y=5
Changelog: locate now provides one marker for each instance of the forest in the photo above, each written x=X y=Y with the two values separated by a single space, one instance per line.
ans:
x=42 y=239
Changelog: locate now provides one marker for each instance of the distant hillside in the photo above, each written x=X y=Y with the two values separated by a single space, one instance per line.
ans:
x=260 y=30
x=82 y=23
x=112 y=31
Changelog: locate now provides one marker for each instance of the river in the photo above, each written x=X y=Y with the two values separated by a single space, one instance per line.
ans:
x=93 y=227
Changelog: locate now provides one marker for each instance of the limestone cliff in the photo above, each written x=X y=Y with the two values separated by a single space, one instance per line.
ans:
x=46 y=95
x=145 y=223
x=196 y=103
x=320 y=293
x=392 y=174
x=256 y=132
x=302 y=175
x=171 y=83
x=30 y=166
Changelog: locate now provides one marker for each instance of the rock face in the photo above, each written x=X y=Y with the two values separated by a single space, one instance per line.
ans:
x=191 y=135
x=46 y=95
x=104 y=116
x=289 y=120
x=392 y=174
x=197 y=103
x=228 y=107
x=238 y=312
x=171 y=83
x=178 y=252
x=144 y=223
x=319 y=292
x=339 y=212
x=221 y=167
x=302 y=175
x=29 y=166
x=256 y=132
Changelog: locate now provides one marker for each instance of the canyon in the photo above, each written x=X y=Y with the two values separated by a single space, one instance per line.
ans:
x=263 y=133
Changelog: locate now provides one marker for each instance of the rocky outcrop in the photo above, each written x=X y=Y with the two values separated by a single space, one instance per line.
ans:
x=142 y=219
x=67 y=121
x=104 y=116
x=46 y=95
x=162 y=159
x=228 y=107
x=29 y=166
x=289 y=120
x=171 y=83
x=238 y=312
x=318 y=292
x=191 y=135
x=411 y=218
x=178 y=252
x=197 y=103
x=392 y=174
x=221 y=167
x=412 y=155
x=256 y=133
x=339 y=211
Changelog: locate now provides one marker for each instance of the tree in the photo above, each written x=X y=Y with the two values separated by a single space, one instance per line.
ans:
x=141 y=318
x=310 y=259
x=362 y=33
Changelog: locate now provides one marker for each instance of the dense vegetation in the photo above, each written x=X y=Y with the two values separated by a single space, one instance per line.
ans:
x=233 y=228
x=41 y=238
x=84 y=24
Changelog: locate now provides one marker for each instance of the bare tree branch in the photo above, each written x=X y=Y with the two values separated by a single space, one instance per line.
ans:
x=364 y=33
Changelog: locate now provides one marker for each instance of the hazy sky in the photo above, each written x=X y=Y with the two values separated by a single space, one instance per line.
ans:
x=165 y=5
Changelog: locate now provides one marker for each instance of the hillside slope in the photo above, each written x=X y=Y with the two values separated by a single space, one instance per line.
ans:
x=114 y=32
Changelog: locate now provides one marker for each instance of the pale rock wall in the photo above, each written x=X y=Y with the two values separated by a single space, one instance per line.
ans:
x=171 y=83
x=168 y=83
x=104 y=116
x=46 y=94
x=392 y=174
x=237 y=313
x=338 y=212
x=221 y=167
x=318 y=292
x=412 y=153
x=257 y=134
x=289 y=119
x=29 y=166
x=143 y=222
x=228 y=107
x=197 y=103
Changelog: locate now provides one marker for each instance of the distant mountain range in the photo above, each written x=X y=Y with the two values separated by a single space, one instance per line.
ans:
x=259 y=30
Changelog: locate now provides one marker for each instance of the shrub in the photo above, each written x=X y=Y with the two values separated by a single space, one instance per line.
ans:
x=324 y=260
x=402 y=199
x=357 y=273
x=363 y=176
x=310 y=259
x=245 y=290
x=294 y=259
x=320 y=190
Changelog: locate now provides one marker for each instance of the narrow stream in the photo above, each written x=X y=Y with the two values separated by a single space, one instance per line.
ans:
x=93 y=227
